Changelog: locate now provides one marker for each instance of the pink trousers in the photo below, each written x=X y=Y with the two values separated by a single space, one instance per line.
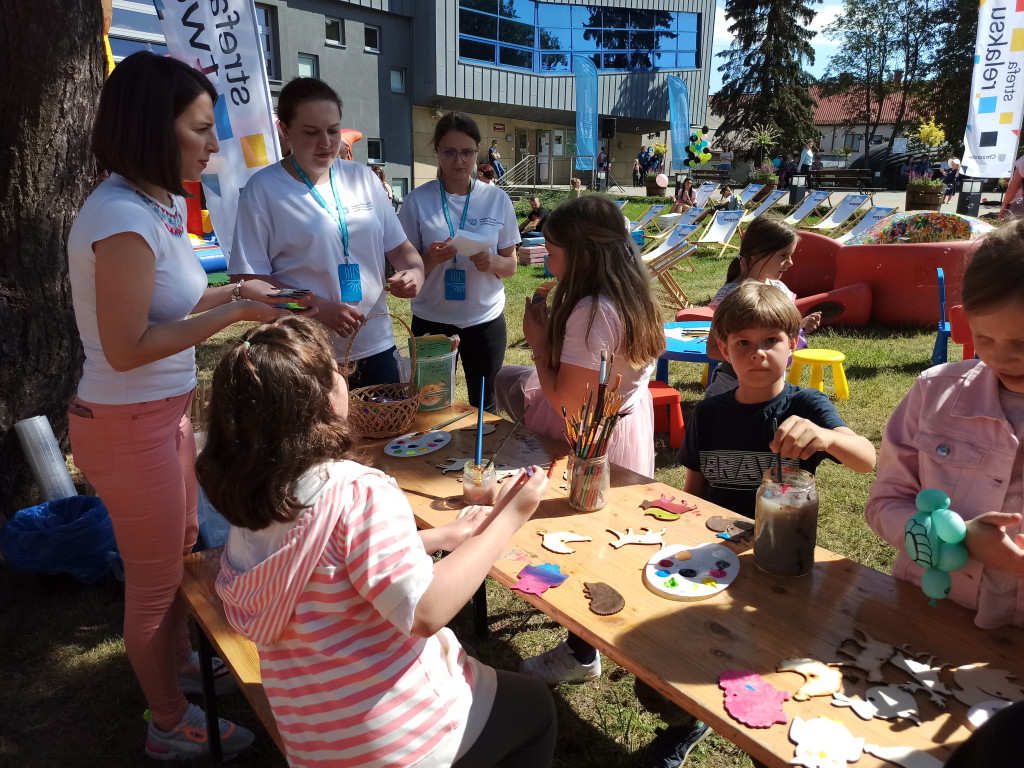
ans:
x=141 y=460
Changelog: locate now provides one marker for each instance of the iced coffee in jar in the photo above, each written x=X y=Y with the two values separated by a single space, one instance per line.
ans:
x=786 y=522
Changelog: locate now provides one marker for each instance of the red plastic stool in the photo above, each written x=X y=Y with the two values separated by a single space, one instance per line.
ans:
x=670 y=421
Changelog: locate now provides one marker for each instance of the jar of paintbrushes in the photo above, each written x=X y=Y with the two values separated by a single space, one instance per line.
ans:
x=589 y=432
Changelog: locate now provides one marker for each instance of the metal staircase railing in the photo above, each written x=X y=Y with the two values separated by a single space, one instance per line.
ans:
x=522 y=174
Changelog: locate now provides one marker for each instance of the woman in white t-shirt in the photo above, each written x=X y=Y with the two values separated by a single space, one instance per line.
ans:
x=142 y=304
x=316 y=222
x=467 y=233
x=603 y=301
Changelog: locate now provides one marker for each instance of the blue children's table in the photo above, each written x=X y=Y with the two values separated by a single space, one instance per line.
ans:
x=686 y=341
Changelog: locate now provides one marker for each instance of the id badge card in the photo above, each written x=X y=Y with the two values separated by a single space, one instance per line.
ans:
x=351 y=285
x=455 y=284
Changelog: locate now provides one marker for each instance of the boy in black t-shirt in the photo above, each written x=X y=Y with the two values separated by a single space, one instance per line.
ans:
x=731 y=440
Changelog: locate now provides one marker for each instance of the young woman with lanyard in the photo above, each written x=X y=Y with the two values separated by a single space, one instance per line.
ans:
x=142 y=304
x=316 y=222
x=463 y=292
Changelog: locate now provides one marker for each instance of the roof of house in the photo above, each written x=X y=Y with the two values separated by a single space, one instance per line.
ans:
x=844 y=108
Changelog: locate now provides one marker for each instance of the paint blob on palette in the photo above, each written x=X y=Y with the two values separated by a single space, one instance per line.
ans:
x=408 y=446
x=678 y=572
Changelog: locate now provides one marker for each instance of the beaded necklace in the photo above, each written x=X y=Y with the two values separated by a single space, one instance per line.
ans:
x=171 y=219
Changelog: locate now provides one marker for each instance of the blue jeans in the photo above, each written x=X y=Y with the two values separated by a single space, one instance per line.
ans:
x=498 y=168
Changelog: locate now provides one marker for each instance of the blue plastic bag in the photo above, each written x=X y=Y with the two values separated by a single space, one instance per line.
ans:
x=72 y=535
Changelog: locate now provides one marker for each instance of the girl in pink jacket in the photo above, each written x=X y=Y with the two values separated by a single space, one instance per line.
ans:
x=324 y=570
x=961 y=429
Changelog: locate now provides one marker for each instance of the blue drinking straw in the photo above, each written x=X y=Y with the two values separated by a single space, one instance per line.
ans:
x=480 y=426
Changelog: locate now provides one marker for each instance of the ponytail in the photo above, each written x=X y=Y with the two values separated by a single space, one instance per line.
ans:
x=733 y=273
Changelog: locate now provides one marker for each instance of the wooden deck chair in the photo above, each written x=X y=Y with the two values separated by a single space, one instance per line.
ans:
x=766 y=204
x=619 y=203
x=660 y=271
x=691 y=214
x=844 y=210
x=648 y=217
x=814 y=199
x=868 y=220
x=748 y=193
x=704 y=194
x=722 y=228
x=675 y=238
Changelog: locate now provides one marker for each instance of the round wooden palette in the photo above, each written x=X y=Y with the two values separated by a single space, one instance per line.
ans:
x=408 y=446
x=679 y=572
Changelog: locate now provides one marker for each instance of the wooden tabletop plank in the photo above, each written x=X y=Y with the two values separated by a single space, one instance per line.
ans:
x=682 y=648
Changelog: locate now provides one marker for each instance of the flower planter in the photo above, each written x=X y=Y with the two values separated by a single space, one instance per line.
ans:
x=924 y=198
x=654 y=189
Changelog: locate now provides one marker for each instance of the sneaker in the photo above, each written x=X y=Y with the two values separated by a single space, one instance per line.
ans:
x=189 y=738
x=559 y=665
x=191 y=679
x=671 y=746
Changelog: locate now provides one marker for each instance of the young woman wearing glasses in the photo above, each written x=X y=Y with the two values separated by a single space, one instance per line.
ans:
x=467 y=234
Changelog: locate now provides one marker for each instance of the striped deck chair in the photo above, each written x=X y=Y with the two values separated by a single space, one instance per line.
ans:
x=843 y=211
x=807 y=206
x=872 y=217
x=722 y=228
x=766 y=204
x=704 y=194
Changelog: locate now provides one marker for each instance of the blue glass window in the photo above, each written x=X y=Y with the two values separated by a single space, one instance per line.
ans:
x=122 y=48
x=542 y=37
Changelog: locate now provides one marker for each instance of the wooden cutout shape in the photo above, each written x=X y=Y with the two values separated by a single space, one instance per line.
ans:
x=821 y=679
x=537 y=579
x=823 y=743
x=604 y=601
x=979 y=714
x=555 y=542
x=664 y=509
x=905 y=756
x=651 y=537
x=677 y=572
x=926 y=673
x=736 y=529
x=503 y=471
x=752 y=700
x=978 y=684
x=886 y=702
x=870 y=655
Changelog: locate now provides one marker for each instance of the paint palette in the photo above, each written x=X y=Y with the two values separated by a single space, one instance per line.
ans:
x=413 y=444
x=678 y=572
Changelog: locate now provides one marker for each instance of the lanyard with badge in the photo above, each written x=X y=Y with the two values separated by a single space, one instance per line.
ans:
x=348 y=273
x=454 y=278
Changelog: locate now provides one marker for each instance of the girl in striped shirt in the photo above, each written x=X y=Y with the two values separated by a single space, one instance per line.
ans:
x=324 y=570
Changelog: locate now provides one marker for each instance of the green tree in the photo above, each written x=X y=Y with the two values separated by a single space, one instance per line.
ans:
x=764 y=76
x=955 y=31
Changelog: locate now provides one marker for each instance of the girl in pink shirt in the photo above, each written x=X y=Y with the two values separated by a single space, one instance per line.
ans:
x=324 y=570
x=961 y=429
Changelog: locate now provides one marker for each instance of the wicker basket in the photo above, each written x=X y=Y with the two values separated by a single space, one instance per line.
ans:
x=383 y=410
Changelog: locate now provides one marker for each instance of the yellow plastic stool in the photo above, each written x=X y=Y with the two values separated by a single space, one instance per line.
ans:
x=818 y=359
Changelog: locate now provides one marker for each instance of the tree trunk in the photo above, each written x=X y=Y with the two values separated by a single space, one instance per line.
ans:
x=53 y=64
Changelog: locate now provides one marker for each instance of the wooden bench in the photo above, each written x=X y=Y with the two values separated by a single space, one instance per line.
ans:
x=218 y=638
x=713 y=175
x=828 y=178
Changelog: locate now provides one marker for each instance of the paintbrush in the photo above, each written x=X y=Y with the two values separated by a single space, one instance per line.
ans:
x=511 y=432
x=443 y=424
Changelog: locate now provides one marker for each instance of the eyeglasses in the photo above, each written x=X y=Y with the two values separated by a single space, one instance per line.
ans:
x=450 y=154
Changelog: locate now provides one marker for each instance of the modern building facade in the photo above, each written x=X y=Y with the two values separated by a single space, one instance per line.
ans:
x=400 y=64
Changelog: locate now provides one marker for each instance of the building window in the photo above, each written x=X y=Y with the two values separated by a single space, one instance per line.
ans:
x=853 y=140
x=399 y=188
x=374 y=151
x=397 y=80
x=334 y=31
x=371 y=42
x=266 y=21
x=135 y=27
x=543 y=37
x=309 y=65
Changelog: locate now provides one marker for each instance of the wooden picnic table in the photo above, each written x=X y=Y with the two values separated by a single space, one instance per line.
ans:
x=681 y=648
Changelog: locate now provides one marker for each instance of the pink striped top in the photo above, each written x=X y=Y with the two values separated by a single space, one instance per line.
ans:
x=348 y=684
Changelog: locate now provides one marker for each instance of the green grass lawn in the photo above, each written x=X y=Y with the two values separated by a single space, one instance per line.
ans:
x=72 y=699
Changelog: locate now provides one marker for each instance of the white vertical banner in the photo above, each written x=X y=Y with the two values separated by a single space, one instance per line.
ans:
x=997 y=91
x=221 y=39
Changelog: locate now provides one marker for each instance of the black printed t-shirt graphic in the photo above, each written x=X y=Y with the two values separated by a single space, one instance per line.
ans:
x=728 y=441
